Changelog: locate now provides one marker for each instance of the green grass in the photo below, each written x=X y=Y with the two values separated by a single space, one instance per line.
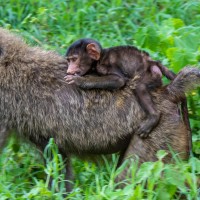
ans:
x=24 y=176
x=168 y=30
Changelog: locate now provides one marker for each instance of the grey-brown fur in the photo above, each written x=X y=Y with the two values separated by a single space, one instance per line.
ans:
x=37 y=103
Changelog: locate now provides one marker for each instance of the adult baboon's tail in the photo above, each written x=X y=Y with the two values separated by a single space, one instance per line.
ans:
x=186 y=80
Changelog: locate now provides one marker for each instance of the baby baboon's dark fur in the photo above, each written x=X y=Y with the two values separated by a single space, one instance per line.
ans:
x=37 y=103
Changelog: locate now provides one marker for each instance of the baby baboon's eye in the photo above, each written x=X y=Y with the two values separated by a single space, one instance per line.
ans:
x=74 y=59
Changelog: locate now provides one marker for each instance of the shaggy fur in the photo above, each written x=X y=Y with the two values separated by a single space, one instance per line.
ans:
x=37 y=103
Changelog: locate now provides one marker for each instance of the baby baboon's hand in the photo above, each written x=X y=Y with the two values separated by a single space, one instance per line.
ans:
x=71 y=79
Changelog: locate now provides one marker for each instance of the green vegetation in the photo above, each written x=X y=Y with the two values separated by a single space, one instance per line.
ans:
x=168 y=30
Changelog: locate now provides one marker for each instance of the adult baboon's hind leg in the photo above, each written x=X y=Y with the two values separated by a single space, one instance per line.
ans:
x=168 y=135
x=138 y=148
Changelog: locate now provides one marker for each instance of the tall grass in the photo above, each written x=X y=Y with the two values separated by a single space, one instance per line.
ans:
x=24 y=176
x=168 y=30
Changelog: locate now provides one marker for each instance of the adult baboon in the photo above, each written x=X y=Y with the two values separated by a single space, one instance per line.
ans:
x=37 y=103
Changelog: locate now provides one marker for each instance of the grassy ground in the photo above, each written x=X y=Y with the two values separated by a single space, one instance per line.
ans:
x=168 y=30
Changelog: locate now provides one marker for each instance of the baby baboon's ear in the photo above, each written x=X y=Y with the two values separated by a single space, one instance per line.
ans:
x=93 y=51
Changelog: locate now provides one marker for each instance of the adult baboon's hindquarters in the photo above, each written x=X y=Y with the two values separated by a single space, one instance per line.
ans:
x=38 y=104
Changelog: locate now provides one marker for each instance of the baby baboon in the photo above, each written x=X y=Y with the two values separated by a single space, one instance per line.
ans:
x=117 y=65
